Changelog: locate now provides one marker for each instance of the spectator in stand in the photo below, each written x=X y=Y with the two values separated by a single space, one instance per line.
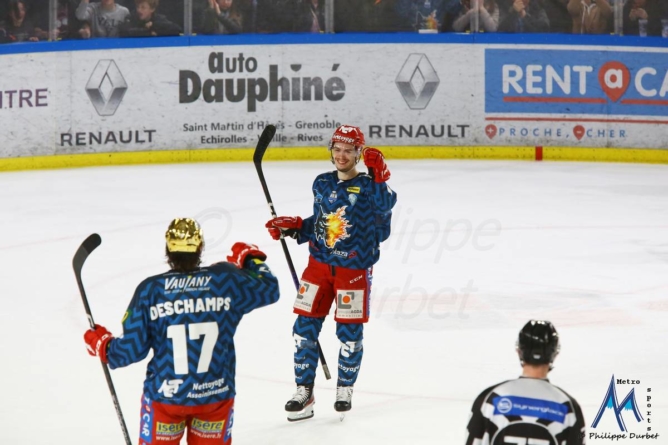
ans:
x=366 y=16
x=453 y=9
x=173 y=10
x=67 y=24
x=635 y=10
x=85 y=31
x=145 y=22
x=18 y=27
x=64 y=15
x=524 y=16
x=560 y=19
x=105 y=17
x=312 y=16
x=488 y=16
x=290 y=16
x=3 y=35
x=591 y=16
x=221 y=17
x=421 y=14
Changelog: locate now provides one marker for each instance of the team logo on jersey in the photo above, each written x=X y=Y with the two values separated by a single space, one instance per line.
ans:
x=318 y=197
x=352 y=198
x=170 y=387
x=629 y=403
x=332 y=197
x=332 y=227
x=503 y=405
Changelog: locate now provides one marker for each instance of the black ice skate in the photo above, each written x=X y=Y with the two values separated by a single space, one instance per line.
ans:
x=300 y=406
x=344 y=398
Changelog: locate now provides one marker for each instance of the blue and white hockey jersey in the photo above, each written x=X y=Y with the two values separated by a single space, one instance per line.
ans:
x=350 y=219
x=189 y=321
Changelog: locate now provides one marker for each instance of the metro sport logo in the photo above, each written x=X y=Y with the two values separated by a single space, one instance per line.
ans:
x=576 y=82
x=611 y=402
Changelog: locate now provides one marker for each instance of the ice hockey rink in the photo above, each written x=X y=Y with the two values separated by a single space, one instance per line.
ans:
x=477 y=249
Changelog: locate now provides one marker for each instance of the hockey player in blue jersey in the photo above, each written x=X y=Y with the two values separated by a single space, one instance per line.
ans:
x=188 y=317
x=351 y=216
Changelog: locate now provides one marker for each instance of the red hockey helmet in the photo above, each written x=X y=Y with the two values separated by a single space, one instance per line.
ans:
x=348 y=134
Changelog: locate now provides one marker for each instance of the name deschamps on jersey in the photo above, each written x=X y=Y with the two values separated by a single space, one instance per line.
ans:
x=190 y=306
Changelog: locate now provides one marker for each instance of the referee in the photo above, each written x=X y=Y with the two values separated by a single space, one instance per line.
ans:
x=528 y=410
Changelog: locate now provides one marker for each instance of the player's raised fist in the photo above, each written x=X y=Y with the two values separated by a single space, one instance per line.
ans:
x=375 y=162
x=244 y=251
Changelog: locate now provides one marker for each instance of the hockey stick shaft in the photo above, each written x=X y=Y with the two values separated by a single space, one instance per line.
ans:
x=90 y=244
x=260 y=149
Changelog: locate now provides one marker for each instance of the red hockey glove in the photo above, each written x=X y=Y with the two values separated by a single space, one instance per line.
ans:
x=242 y=252
x=288 y=225
x=97 y=340
x=375 y=161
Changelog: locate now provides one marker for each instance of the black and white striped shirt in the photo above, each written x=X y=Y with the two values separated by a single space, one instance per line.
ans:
x=525 y=411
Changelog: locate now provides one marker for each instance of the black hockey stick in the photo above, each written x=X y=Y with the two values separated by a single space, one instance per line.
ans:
x=260 y=149
x=91 y=243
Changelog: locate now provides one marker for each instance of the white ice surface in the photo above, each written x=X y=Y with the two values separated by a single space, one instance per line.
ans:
x=584 y=245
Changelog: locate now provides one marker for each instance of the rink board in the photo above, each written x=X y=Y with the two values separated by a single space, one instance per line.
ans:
x=183 y=99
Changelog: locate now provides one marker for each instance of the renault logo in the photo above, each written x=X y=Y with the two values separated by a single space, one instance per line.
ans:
x=106 y=87
x=417 y=81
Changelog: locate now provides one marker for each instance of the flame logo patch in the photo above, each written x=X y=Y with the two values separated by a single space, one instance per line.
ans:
x=333 y=227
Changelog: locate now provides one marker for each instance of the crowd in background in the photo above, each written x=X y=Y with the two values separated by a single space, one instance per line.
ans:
x=29 y=20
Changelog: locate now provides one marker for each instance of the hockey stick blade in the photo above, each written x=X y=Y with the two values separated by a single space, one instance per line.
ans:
x=91 y=243
x=85 y=249
x=262 y=144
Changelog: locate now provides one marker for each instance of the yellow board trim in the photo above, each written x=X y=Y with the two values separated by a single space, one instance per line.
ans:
x=650 y=156
x=656 y=156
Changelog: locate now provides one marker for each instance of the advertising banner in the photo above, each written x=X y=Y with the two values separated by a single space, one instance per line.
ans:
x=27 y=103
x=407 y=94
x=614 y=98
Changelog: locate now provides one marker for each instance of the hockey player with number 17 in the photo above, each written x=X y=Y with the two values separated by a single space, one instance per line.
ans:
x=351 y=216
x=187 y=317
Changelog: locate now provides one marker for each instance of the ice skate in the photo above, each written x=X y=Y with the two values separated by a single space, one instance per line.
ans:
x=344 y=400
x=300 y=406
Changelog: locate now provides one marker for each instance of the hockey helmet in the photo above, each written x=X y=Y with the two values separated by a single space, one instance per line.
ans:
x=184 y=235
x=538 y=343
x=348 y=134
